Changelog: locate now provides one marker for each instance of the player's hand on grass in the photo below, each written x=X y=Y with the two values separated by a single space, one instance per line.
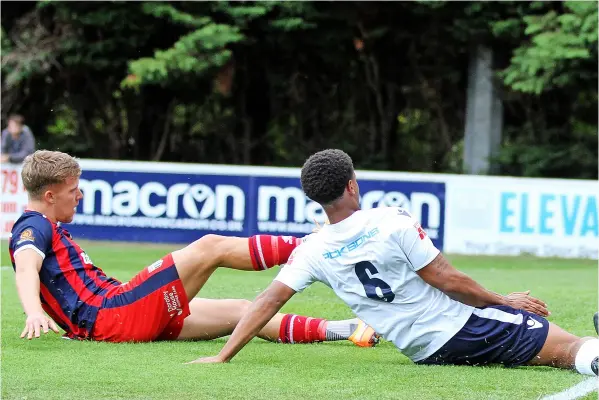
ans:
x=207 y=360
x=523 y=300
x=36 y=321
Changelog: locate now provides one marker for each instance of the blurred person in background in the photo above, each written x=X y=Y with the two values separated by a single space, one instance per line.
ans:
x=17 y=140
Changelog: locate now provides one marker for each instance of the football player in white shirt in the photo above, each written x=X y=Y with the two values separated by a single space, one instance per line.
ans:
x=382 y=264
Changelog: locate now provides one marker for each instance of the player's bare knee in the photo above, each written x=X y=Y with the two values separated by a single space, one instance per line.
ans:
x=217 y=247
x=209 y=248
x=565 y=354
x=240 y=307
x=207 y=241
x=199 y=255
x=244 y=305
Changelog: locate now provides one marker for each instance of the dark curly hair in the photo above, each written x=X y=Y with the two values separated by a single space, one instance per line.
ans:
x=325 y=174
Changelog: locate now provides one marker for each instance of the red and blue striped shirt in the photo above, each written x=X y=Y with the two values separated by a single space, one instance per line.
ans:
x=72 y=288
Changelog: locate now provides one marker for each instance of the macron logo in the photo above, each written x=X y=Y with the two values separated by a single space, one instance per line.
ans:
x=533 y=324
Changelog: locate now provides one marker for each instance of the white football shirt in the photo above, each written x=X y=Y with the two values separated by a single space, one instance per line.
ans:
x=370 y=260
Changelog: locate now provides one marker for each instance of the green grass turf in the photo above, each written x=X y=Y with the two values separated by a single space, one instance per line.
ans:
x=52 y=368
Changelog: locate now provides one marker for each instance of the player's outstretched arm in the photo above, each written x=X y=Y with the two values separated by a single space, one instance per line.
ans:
x=459 y=286
x=28 y=264
x=264 y=308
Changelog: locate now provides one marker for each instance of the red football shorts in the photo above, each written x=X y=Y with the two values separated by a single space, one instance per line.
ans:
x=151 y=306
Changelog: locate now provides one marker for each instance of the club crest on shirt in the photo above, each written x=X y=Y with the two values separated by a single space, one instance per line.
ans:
x=26 y=236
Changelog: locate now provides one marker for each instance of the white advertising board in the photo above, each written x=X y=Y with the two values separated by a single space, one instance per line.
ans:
x=511 y=216
x=13 y=197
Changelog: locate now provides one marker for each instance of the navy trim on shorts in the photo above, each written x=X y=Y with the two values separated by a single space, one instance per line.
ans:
x=497 y=335
x=153 y=283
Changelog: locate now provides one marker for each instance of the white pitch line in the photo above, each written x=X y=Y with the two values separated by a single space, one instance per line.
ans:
x=5 y=267
x=575 y=392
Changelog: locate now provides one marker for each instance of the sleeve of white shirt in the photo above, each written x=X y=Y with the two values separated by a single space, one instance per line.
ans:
x=297 y=273
x=417 y=246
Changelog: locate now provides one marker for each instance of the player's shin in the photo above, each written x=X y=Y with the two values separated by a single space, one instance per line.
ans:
x=267 y=251
x=587 y=357
x=300 y=329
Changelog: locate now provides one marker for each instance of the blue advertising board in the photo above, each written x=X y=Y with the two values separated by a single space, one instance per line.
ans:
x=179 y=205
x=282 y=207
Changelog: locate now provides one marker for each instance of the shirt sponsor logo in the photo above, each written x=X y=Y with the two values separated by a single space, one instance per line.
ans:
x=352 y=246
x=171 y=298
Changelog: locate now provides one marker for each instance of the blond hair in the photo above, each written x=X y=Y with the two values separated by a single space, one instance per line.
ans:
x=44 y=168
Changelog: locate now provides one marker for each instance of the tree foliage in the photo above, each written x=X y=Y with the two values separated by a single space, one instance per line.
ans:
x=556 y=48
x=552 y=78
x=269 y=82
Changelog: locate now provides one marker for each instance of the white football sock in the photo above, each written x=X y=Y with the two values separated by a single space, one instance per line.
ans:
x=341 y=330
x=585 y=356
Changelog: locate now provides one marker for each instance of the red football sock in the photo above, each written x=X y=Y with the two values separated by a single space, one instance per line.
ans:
x=266 y=251
x=300 y=329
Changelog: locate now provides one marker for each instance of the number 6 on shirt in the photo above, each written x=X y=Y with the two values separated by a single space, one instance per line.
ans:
x=375 y=288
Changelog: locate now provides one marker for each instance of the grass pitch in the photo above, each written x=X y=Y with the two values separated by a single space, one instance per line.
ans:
x=53 y=368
